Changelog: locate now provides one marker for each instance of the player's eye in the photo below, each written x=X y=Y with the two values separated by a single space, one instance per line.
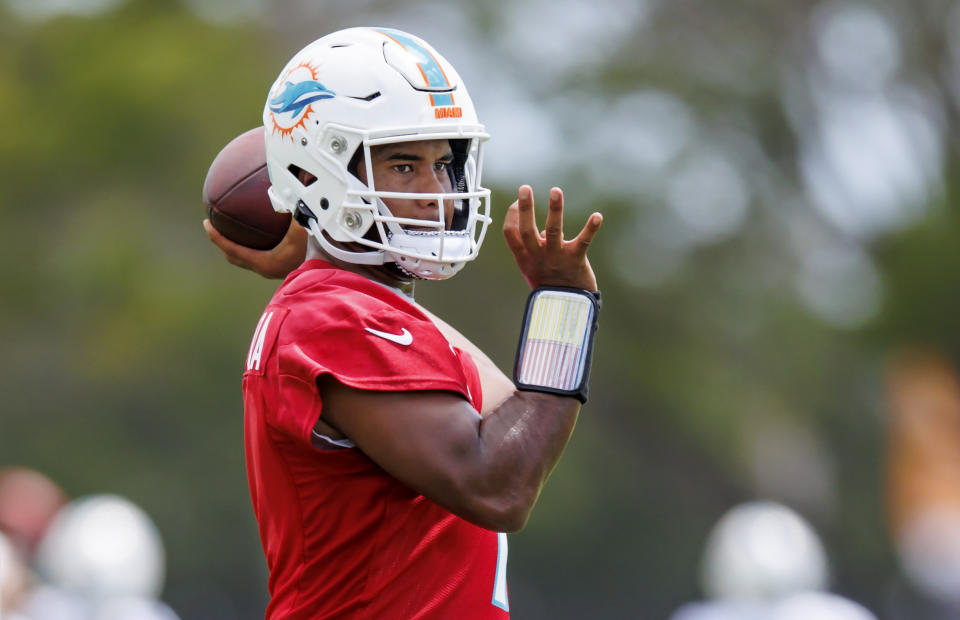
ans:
x=441 y=165
x=403 y=168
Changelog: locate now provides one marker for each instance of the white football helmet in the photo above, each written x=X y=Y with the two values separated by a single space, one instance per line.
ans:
x=101 y=546
x=763 y=551
x=356 y=89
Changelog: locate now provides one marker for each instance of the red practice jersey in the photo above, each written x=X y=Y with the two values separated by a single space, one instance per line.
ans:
x=343 y=538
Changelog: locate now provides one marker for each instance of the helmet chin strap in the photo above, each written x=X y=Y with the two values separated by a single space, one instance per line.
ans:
x=377 y=257
x=306 y=218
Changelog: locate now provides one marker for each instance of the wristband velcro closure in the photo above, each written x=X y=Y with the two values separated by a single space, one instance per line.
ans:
x=556 y=343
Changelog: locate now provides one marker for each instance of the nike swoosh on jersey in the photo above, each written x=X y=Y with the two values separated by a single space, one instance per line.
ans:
x=404 y=337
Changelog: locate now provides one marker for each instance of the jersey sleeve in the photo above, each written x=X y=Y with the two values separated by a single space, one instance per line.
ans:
x=472 y=375
x=365 y=344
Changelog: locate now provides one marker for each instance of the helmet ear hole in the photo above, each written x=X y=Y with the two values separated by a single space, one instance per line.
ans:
x=354 y=164
x=304 y=177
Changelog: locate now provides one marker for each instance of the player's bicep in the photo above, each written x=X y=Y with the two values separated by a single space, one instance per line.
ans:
x=497 y=387
x=429 y=440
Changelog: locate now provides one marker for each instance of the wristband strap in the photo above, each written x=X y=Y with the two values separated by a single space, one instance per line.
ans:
x=556 y=341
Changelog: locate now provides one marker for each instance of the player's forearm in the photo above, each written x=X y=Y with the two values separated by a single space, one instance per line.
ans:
x=519 y=445
x=521 y=441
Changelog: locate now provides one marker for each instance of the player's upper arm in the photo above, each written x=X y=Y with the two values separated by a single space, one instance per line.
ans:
x=430 y=441
x=497 y=387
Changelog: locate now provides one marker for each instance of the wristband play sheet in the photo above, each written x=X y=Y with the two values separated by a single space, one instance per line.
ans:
x=555 y=347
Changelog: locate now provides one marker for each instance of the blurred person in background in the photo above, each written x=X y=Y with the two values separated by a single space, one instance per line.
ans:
x=95 y=558
x=101 y=558
x=347 y=374
x=14 y=579
x=29 y=501
x=763 y=561
x=923 y=480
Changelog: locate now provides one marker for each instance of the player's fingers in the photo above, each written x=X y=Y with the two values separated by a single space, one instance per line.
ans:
x=236 y=261
x=295 y=232
x=553 y=231
x=582 y=241
x=511 y=222
x=514 y=242
x=235 y=253
x=512 y=218
x=217 y=239
x=294 y=243
x=527 y=224
x=209 y=229
x=511 y=230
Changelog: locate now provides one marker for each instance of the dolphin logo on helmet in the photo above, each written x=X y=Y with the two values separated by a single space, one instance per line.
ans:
x=295 y=97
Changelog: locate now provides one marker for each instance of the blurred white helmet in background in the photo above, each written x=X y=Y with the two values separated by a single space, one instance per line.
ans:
x=802 y=606
x=929 y=548
x=762 y=551
x=103 y=546
x=46 y=602
x=722 y=610
x=819 y=606
x=133 y=608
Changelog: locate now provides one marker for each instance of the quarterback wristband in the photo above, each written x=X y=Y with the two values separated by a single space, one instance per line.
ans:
x=556 y=341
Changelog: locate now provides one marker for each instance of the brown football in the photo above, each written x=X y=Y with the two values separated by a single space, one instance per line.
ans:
x=235 y=194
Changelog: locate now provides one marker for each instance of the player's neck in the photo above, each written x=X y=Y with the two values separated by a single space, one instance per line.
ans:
x=381 y=274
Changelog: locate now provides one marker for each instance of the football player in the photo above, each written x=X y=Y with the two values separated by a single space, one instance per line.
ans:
x=386 y=454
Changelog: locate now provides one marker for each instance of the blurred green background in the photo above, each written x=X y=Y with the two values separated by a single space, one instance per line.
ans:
x=778 y=182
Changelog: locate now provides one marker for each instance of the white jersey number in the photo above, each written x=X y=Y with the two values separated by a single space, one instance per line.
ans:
x=500 y=581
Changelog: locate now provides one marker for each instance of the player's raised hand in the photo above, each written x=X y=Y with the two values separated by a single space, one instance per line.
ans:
x=544 y=257
x=273 y=263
